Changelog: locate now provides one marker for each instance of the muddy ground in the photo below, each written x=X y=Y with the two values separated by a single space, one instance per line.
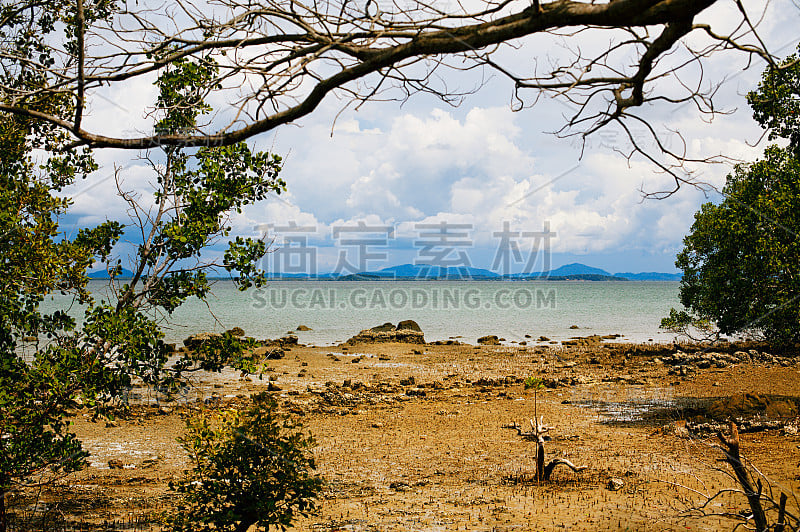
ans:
x=417 y=437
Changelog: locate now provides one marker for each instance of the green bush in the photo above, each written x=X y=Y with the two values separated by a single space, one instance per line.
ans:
x=249 y=467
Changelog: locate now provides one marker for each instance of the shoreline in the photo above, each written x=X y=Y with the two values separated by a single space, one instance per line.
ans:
x=417 y=436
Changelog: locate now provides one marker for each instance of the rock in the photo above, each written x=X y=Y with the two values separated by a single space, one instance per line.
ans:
x=272 y=387
x=746 y=404
x=150 y=462
x=30 y=338
x=377 y=425
x=615 y=484
x=489 y=340
x=399 y=485
x=196 y=340
x=269 y=353
x=115 y=463
x=780 y=408
x=587 y=341
x=544 y=339
x=387 y=333
x=408 y=325
x=386 y=327
x=303 y=328
x=164 y=410
x=287 y=340
x=574 y=327
x=236 y=331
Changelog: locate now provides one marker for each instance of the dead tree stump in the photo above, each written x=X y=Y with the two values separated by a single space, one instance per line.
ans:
x=537 y=432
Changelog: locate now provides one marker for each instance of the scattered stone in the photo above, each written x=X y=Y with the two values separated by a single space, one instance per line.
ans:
x=383 y=357
x=303 y=328
x=543 y=339
x=272 y=387
x=409 y=381
x=399 y=485
x=574 y=327
x=116 y=463
x=236 y=331
x=615 y=484
x=377 y=425
x=30 y=338
x=164 y=410
x=489 y=340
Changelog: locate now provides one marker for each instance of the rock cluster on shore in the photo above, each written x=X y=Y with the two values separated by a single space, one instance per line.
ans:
x=406 y=331
x=681 y=362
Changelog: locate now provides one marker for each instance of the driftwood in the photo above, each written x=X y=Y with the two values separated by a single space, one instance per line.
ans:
x=537 y=432
x=753 y=495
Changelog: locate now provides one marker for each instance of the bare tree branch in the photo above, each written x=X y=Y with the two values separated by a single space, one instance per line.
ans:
x=279 y=59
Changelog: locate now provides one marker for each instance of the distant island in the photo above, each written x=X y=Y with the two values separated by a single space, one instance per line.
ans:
x=568 y=272
x=420 y=272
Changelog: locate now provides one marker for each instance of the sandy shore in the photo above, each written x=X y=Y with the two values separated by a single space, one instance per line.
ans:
x=416 y=437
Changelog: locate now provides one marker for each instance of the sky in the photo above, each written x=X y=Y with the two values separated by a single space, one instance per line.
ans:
x=477 y=185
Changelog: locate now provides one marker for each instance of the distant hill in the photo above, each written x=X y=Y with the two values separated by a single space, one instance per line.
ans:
x=577 y=268
x=651 y=276
x=103 y=274
x=425 y=271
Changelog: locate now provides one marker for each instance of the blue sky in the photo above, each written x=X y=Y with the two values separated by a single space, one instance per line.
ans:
x=478 y=165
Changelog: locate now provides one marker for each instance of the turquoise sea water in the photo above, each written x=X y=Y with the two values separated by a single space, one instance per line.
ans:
x=336 y=310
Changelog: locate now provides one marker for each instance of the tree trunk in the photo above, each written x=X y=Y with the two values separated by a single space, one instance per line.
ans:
x=3 y=516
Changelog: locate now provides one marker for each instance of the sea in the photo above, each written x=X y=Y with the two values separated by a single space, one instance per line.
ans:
x=460 y=310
